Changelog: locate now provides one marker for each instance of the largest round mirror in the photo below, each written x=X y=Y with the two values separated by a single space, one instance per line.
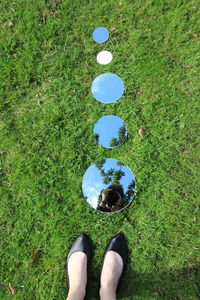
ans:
x=108 y=185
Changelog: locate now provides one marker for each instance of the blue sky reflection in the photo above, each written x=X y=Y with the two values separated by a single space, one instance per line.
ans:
x=107 y=128
x=107 y=87
x=100 y=35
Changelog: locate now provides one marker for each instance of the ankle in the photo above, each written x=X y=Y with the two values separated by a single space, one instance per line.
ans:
x=76 y=293
x=107 y=292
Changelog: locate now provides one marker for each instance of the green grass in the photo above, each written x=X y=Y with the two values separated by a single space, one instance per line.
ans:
x=47 y=66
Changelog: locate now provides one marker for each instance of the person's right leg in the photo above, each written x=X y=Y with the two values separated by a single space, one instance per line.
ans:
x=111 y=272
x=77 y=261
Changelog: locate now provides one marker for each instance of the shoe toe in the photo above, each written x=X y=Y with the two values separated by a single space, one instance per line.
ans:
x=119 y=245
x=82 y=244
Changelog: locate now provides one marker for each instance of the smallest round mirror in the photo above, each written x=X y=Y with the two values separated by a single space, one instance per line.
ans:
x=104 y=57
x=110 y=131
x=100 y=35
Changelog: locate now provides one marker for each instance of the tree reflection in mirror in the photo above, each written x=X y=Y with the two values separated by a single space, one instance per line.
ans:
x=110 y=131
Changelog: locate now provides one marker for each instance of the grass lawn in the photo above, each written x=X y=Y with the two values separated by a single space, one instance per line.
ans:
x=47 y=114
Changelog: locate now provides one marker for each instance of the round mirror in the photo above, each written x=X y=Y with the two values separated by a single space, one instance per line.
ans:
x=108 y=185
x=107 y=88
x=110 y=131
x=100 y=35
x=104 y=57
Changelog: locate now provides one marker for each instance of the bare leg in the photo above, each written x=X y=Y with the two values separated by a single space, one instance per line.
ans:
x=111 y=272
x=77 y=273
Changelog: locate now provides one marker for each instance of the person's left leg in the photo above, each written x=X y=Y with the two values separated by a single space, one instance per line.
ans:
x=77 y=274
x=114 y=263
x=111 y=272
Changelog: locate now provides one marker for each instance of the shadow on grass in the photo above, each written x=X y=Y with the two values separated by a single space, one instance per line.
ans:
x=173 y=285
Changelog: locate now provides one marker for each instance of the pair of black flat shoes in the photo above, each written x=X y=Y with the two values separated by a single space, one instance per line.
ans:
x=117 y=244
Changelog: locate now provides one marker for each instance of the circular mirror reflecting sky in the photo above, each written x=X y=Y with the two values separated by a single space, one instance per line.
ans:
x=108 y=185
x=110 y=131
x=107 y=87
x=100 y=35
x=104 y=57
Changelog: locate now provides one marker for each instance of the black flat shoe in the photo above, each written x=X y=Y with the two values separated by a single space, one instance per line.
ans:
x=119 y=245
x=82 y=243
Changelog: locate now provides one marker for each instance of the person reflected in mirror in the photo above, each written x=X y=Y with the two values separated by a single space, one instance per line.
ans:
x=115 y=261
x=111 y=199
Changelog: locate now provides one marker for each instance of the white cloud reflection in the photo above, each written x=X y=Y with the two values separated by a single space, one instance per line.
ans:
x=92 y=189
